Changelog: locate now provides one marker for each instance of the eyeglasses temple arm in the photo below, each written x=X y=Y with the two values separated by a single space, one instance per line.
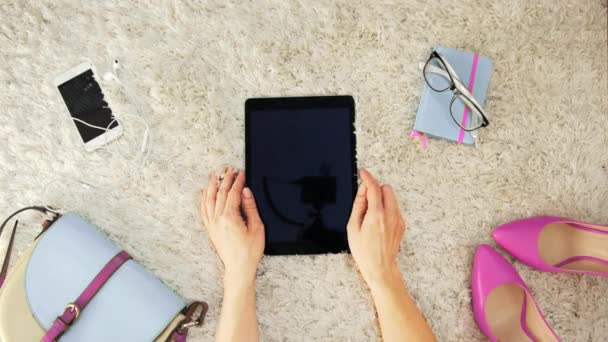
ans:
x=468 y=97
x=464 y=91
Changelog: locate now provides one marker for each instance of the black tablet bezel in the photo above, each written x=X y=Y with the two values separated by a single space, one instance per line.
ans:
x=253 y=104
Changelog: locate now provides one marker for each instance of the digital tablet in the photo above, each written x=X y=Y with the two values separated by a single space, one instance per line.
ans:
x=301 y=167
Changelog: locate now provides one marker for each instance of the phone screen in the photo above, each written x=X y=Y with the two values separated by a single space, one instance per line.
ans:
x=85 y=101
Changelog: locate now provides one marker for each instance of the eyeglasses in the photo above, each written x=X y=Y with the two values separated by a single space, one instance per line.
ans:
x=440 y=76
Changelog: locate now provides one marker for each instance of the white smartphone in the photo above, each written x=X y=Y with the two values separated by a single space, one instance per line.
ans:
x=87 y=106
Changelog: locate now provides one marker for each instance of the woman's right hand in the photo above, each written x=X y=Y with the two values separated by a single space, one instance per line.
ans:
x=229 y=212
x=375 y=230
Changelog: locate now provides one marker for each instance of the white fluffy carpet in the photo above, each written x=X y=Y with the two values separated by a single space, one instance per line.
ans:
x=194 y=63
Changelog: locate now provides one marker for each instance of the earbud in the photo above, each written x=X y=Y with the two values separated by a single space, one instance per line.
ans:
x=108 y=76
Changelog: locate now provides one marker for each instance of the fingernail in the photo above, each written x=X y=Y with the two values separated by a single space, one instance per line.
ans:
x=247 y=193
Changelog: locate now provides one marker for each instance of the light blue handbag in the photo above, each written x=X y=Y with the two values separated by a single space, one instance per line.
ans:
x=74 y=284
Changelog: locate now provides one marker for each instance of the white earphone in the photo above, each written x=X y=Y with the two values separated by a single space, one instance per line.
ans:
x=113 y=76
x=144 y=150
x=109 y=76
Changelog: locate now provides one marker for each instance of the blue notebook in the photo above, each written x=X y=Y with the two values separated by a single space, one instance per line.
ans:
x=433 y=117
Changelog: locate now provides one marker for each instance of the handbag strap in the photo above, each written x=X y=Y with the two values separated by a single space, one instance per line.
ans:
x=9 y=249
x=73 y=310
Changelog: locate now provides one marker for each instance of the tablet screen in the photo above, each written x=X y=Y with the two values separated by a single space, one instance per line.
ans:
x=301 y=169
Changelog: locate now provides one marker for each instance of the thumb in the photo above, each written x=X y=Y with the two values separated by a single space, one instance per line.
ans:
x=359 y=208
x=250 y=209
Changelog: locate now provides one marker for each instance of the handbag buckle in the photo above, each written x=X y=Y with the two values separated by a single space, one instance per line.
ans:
x=195 y=314
x=72 y=308
x=188 y=325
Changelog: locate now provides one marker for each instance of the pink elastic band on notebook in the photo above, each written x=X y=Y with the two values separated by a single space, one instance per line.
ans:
x=422 y=138
x=466 y=108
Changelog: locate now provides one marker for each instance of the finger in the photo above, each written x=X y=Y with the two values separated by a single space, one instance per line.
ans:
x=374 y=193
x=211 y=195
x=359 y=208
x=233 y=203
x=389 y=199
x=204 y=207
x=391 y=207
x=222 y=193
x=250 y=209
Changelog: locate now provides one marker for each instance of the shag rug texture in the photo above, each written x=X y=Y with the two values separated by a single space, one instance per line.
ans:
x=190 y=66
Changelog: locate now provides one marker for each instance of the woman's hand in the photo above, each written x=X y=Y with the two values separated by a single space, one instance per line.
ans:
x=375 y=230
x=230 y=214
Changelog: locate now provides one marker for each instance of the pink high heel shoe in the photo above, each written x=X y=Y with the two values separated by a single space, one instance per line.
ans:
x=503 y=307
x=556 y=244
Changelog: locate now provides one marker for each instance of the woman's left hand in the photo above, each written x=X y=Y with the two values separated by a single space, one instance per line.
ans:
x=229 y=212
